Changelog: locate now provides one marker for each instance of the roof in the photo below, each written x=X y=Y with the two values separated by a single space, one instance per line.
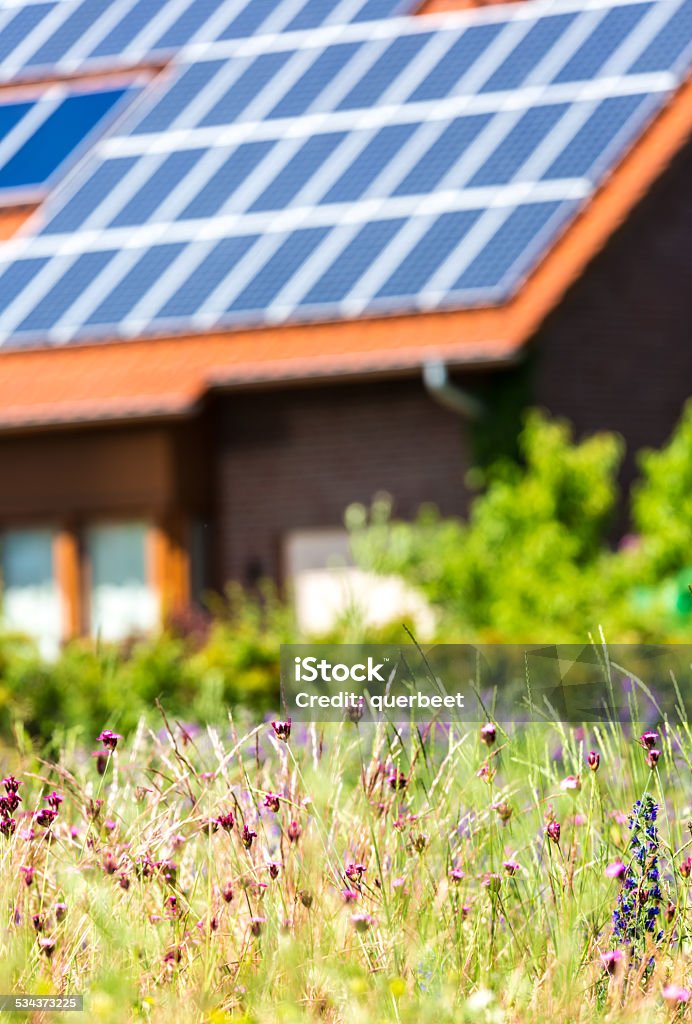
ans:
x=483 y=204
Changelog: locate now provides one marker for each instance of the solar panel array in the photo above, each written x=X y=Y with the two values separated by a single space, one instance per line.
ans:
x=346 y=171
x=64 y=36
x=38 y=135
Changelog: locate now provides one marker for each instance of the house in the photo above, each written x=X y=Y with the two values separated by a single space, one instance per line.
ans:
x=262 y=261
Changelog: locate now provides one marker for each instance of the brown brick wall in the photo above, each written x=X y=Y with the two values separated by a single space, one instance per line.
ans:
x=295 y=459
x=617 y=352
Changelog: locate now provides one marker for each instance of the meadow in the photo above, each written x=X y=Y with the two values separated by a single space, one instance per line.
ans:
x=261 y=872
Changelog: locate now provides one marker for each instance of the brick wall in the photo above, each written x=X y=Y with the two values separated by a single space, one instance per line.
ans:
x=617 y=352
x=295 y=459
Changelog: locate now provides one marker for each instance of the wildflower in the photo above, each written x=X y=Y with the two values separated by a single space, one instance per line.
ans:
x=273 y=869
x=109 y=739
x=488 y=733
x=571 y=784
x=486 y=773
x=226 y=821
x=648 y=739
x=611 y=959
x=553 y=831
x=349 y=895
x=27 y=834
x=227 y=893
x=652 y=758
x=38 y=922
x=172 y=908
x=637 y=908
x=168 y=870
x=511 y=866
x=616 y=870
x=294 y=831
x=173 y=956
x=503 y=811
x=282 y=729
x=247 y=837
x=491 y=881
x=593 y=760
x=686 y=867
x=101 y=761
x=124 y=882
x=671 y=910
x=355 y=871
x=456 y=874
x=362 y=922
x=45 y=817
x=47 y=946
x=60 y=909
x=419 y=841
x=305 y=898
x=54 y=800
x=11 y=784
x=110 y=864
x=110 y=825
x=9 y=803
x=93 y=809
x=676 y=995
x=28 y=875
x=271 y=801
x=7 y=826
x=397 y=779
x=256 y=925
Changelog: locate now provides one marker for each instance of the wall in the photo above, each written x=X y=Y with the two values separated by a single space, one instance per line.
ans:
x=296 y=458
x=617 y=353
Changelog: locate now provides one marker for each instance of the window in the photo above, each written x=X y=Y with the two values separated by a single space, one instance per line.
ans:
x=328 y=587
x=31 y=601
x=122 y=600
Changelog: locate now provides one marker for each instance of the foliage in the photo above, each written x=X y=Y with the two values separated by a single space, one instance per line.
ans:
x=193 y=877
x=532 y=562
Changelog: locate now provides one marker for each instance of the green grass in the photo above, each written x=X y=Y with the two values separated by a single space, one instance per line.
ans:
x=414 y=945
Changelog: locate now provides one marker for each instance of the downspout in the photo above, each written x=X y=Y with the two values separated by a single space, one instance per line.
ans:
x=438 y=384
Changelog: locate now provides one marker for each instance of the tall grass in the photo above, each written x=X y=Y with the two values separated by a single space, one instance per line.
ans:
x=407 y=876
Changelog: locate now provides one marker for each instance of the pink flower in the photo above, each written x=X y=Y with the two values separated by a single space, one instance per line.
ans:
x=511 y=866
x=361 y=922
x=676 y=994
x=648 y=739
x=282 y=729
x=652 y=758
x=488 y=734
x=552 y=831
x=686 y=867
x=611 y=959
x=109 y=739
x=294 y=831
x=593 y=760
x=571 y=783
x=456 y=874
x=616 y=870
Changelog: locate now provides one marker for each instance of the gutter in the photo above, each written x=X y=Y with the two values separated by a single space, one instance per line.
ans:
x=448 y=394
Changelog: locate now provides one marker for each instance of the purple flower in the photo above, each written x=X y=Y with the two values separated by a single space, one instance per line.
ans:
x=109 y=739
x=46 y=817
x=54 y=800
x=676 y=994
x=553 y=831
x=349 y=895
x=294 y=831
x=256 y=925
x=60 y=911
x=271 y=801
x=511 y=866
x=488 y=734
x=28 y=875
x=282 y=729
x=456 y=874
x=648 y=739
x=611 y=959
x=593 y=760
x=273 y=869
x=7 y=826
x=397 y=779
x=11 y=784
x=686 y=867
x=247 y=837
x=226 y=821
x=616 y=870
x=652 y=757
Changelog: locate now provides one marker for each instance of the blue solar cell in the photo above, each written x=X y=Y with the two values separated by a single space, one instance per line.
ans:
x=672 y=43
x=219 y=189
x=592 y=143
x=274 y=274
x=522 y=236
x=174 y=98
x=452 y=67
x=297 y=172
x=185 y=26
x=610 y=32
x=371 y=160
x=429 y=253
x=54 y=140
x=374 y=9
x=10 y=116
x=531 y=49
x=92 y=192
x=128 y=27
x=76 y=278
x=317 y=78
x=157 y=188
x=14 y=278
x=518 y=144
x=70 y=31
x=349 y=266
x=21 y=25
x=202 y=281
x=311 y=14
x=442 y=155
x=247 y=21
x=120 y=300
x=386 y=68
x=247 y=87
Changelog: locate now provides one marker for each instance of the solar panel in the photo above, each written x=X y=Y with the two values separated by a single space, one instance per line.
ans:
x=38 y=136
x=350 y=170
x=67 y=35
